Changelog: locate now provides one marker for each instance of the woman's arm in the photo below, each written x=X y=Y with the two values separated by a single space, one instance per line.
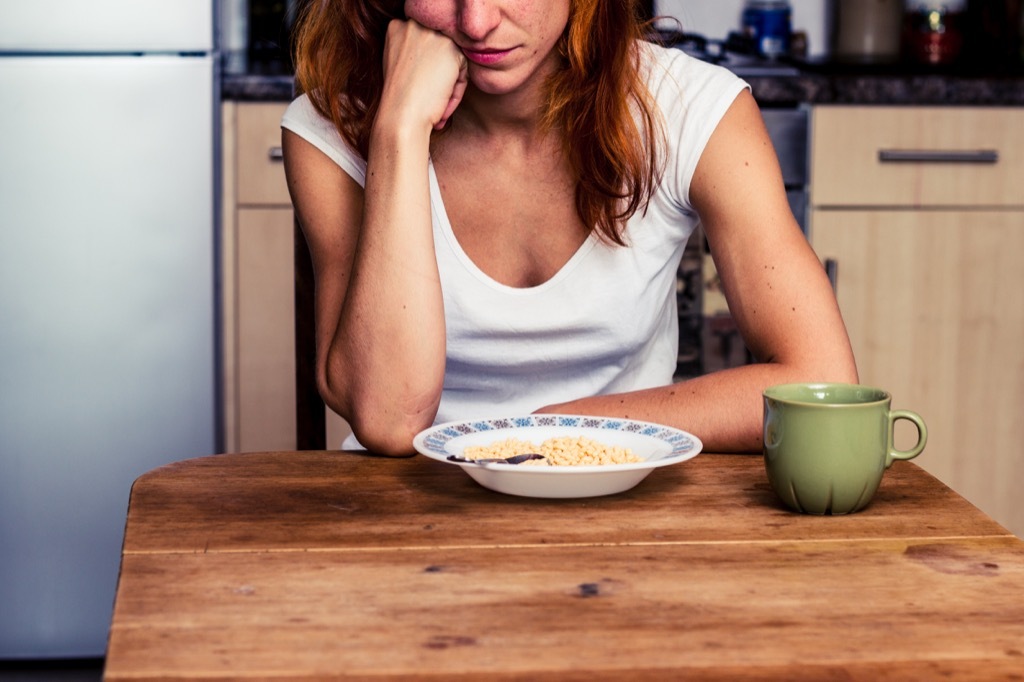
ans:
x=777 y=291
x=379 y=313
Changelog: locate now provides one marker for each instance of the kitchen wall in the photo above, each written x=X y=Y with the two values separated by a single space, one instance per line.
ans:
x=716 y=18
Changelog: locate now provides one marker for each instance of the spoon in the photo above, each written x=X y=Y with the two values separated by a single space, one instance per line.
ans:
x=516 y=459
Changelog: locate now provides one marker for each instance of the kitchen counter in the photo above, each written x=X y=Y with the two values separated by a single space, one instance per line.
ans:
x=257 y=88
x=851 y=87
x=815 y=84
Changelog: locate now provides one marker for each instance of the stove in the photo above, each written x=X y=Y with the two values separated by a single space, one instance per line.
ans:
x=736 y=52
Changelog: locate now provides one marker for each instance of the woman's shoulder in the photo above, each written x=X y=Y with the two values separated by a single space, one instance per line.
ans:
x=692 y=97
x=675 y=77
x=302 y=118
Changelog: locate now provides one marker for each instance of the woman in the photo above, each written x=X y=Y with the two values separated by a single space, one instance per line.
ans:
x=496 y=195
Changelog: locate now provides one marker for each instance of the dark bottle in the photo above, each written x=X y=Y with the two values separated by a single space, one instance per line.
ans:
x=933 y=32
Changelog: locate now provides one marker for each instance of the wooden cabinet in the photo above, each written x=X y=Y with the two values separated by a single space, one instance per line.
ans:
x=258 y=289
x=917 y=157
x=930 y=277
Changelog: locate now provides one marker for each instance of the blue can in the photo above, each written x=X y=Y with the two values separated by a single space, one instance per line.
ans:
x=769 y=24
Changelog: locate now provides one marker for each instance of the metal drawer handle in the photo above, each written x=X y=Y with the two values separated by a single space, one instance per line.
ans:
x=936 y=156
x=276 y=154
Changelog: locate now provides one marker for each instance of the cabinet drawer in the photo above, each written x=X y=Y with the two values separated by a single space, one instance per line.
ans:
x=260 y=167
x=917 y=157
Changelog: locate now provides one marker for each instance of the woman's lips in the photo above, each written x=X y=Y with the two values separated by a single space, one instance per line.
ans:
x=485 y=57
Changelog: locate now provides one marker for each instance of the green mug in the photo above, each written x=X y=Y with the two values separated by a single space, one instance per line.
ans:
x=826 y=446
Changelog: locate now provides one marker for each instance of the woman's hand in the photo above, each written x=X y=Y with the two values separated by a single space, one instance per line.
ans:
x=425 y=74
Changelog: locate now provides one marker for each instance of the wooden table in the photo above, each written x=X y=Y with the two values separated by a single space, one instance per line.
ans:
x=328 y=565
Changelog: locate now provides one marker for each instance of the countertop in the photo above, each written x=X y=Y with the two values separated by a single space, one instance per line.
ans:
x=808 y=84
x=893 y=88
x=257 y=88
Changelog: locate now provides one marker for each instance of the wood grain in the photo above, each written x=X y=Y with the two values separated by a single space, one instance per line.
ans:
x=585 y=610
x=316 y=500
x=327 y=565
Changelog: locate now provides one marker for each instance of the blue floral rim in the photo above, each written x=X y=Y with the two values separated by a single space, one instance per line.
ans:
x=438 y=437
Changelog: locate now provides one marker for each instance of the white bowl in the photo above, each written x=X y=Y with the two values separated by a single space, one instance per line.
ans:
x=654 y=444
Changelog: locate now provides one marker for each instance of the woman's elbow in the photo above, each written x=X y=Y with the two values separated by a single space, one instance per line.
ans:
x=823 y=361
x=838 y=373
x=391 y=437
x=846 y=371
x=382 y=427
x=837 y=365
x=841 y=360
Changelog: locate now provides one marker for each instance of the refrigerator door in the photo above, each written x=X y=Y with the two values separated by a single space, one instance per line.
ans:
x=106 y=26
x=107 y=344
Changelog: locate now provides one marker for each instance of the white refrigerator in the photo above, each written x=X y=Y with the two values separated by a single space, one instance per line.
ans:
x=107 y=293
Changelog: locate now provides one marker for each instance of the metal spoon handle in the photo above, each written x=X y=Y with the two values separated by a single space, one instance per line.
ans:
x=516 y=459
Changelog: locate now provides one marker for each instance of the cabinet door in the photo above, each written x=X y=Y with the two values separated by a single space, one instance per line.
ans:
x=261 y=180
x=934 y=303
x=266 y=330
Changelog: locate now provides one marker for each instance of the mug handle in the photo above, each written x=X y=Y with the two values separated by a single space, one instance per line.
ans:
x=922 y=436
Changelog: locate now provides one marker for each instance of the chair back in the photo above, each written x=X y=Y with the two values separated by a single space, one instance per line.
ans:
x=310 y=417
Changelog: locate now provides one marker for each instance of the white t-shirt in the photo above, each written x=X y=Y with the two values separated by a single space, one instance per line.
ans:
x=607 y=321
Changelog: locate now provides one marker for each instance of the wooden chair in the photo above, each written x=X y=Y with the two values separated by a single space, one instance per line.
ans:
x=832 y=270
x=310 y=420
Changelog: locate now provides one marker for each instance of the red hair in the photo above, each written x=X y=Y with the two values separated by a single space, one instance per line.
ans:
x=598 y=99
